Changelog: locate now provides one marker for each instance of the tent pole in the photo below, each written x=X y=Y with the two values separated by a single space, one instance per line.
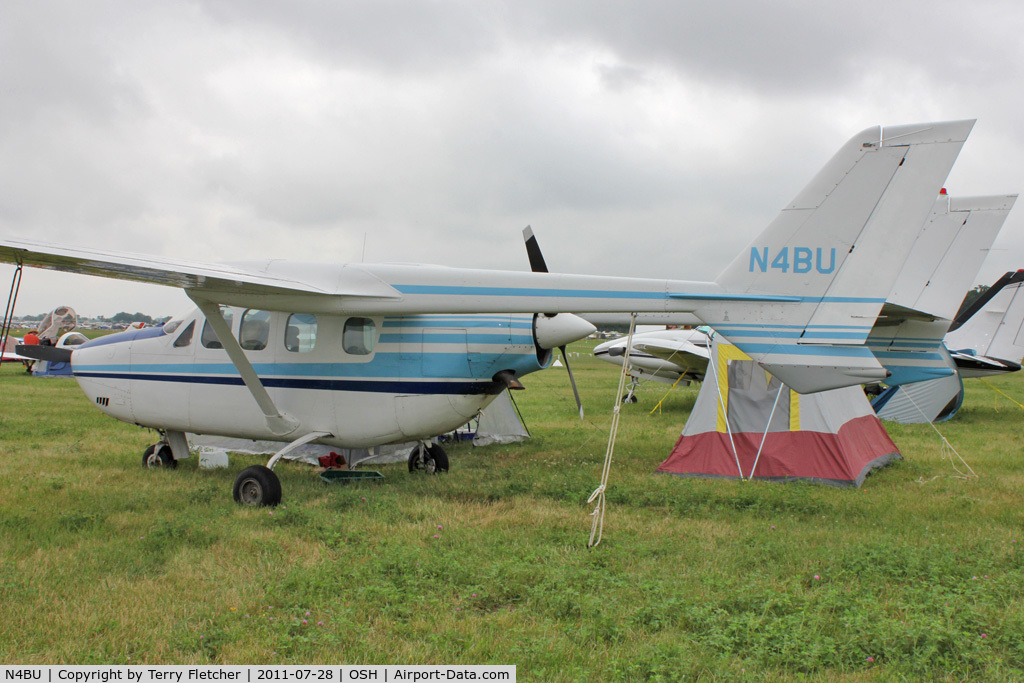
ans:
x=713 y=364
x=766 y=428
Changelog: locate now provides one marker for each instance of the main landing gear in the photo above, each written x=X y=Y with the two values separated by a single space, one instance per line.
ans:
x=429 y=458
x=630 y=396
x=257 y=486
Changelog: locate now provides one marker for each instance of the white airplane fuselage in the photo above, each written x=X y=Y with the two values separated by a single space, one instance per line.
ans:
x=683 y=355
x=364 y=380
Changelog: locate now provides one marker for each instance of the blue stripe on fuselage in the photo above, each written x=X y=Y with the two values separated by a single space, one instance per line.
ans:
x=376 y=386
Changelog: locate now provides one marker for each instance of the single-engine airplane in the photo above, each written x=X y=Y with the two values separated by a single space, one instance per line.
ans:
x=356 y=355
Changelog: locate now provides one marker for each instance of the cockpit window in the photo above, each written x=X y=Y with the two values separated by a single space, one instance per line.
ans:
x=185 y=338
x=300 y=332
x=171 y=325
x=359 y=336
x=209 y=337
x=254 y=332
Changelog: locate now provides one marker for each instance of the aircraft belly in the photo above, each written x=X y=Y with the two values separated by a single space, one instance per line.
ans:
x=365 y=419
x=221 y=408
x=426 y=415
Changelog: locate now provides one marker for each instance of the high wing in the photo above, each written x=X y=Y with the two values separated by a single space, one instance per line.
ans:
x=215 y=281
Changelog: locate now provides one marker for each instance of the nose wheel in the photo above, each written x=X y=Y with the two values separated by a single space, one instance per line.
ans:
x=429 y=458
x=158 y=455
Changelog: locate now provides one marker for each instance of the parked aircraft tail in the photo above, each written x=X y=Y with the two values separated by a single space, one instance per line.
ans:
x=907 y=337
x=836 y=250
x=994 y=325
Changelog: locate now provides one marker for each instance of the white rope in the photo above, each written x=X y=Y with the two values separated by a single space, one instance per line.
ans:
x=713 y=364
x=766 y=428
x=597 y=524
x=947 y=448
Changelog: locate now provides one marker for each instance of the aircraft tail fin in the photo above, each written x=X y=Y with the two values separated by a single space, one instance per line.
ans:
x=907 y=337
x=994 y=325
x=837 y=250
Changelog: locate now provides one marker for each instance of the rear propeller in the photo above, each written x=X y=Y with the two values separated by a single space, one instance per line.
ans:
x=538 y=265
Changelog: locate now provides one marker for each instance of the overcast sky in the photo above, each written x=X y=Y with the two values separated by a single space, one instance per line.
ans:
x=644 y=138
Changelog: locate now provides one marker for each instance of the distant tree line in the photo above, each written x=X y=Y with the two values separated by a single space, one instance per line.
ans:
x=971 y=297
x=124 y=317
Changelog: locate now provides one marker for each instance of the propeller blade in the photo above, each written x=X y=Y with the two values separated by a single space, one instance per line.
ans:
x=537 y=263
x=572 y=380
x=54 y=354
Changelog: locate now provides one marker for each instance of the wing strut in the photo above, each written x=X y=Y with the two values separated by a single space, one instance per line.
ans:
x=280 y=423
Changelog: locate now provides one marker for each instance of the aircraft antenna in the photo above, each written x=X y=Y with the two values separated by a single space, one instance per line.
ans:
x=362 y=259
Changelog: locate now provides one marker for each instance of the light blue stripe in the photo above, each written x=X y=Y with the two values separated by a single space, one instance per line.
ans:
x=793 y=335
x=739 y=326
x=806 y=350
x=413 y=337
x=517 y=325
x=450 y=290
x=883 y=356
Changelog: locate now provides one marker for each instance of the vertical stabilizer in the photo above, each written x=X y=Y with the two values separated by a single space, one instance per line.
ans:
x=994 y=325
x=837 y=249
x=907 y=337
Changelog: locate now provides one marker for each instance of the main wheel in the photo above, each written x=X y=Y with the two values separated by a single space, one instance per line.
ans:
x=158 y=455
x=434 y=459
x=437 y=459
x=257 y=486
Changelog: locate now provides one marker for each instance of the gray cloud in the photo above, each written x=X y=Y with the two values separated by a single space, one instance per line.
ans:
x=650 y=138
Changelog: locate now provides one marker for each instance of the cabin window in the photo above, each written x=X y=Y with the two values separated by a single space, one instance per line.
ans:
x=209 y=337
x=300 y=332
x=254 y=332
x=185 y=338
x=358 y=337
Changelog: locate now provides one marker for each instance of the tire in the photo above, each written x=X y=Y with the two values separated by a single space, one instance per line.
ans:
x=437 y=456
x=435 y=460
x=257 y=486
x=163 y=458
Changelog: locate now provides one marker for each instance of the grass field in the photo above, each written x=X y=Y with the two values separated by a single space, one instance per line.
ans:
x=915 y=576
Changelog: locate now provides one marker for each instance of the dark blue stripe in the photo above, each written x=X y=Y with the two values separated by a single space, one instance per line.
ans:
x=375 y=386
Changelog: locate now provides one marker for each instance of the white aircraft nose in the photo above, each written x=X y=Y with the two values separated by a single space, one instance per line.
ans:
x=559 y=330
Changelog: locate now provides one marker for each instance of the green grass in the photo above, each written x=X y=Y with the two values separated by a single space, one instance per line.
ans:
x=104 y=562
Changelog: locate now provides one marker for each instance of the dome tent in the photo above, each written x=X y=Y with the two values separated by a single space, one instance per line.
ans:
x=747 y=424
